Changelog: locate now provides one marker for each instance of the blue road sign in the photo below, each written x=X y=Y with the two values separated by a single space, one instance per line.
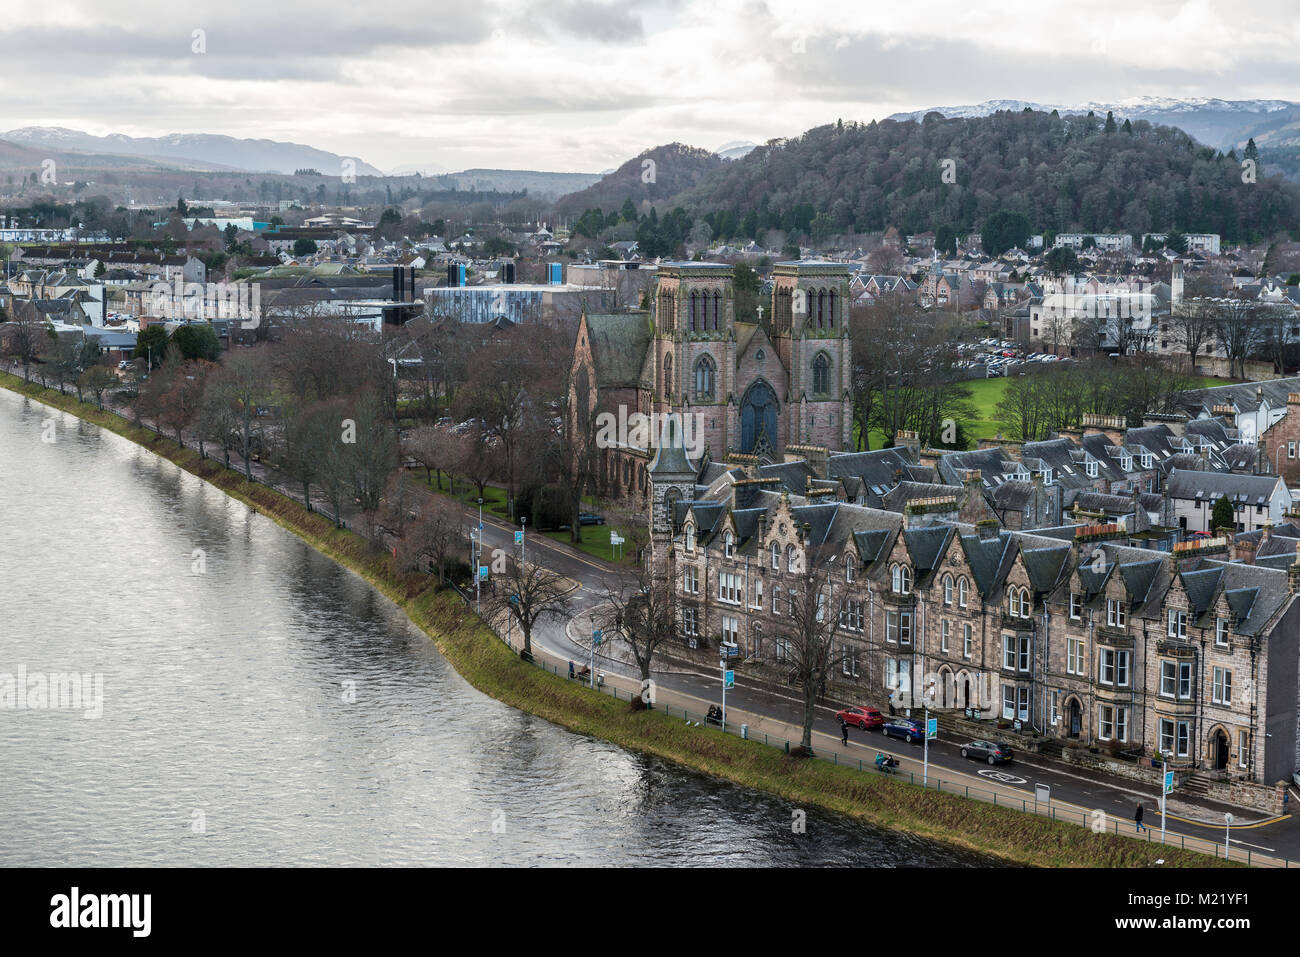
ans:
x=932 y=729
x=482 y=573
x=1169 y=782
x=729 y=679
x=595 y=637
x=519 y=538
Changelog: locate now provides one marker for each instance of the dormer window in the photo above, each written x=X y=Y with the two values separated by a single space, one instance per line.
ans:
x=1148 y=461
x=729 y=545
x=848 y=569
x=1116 y=613
x=690 y=537
x=1091 y=466
x=901 y=579
x=1046 y=476
x=1177 y=624
x=1018 y=602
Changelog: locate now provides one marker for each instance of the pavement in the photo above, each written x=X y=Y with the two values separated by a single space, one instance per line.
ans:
x=1077 y=794
x=779 y=717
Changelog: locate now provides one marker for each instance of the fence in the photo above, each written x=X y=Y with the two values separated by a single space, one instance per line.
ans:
x=1027 y=804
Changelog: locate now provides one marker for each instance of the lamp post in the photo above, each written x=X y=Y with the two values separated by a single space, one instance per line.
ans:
x=925 y=767
x=476 y=553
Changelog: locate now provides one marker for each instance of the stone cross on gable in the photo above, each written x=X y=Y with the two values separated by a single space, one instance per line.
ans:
x=760 y=312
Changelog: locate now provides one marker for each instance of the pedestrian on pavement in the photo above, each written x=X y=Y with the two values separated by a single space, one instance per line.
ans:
x=844 y=732
x=1137 y=818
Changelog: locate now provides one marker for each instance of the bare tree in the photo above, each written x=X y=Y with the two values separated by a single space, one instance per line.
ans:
x=1236 y=328
x=810 y=638
x=528 y=594
x=436 y=531
x=642 y=614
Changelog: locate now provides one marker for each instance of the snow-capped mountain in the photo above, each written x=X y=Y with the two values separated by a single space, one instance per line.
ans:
x=1223 y=124
x=735 y=149
x=221 y=152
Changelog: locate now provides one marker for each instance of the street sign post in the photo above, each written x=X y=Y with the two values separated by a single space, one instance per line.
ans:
x=1043 y=794
x=1227 y=834
x=595 y=640
x=1164 y=792
x=727 y=677
x=519 y=538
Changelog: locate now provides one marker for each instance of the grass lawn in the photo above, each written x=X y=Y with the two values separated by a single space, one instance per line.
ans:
x=595 y=538
x=985 y=396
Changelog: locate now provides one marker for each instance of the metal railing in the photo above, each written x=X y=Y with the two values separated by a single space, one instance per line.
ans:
x=1097 y=821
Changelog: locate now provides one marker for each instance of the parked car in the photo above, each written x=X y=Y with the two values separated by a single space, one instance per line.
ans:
x=904 y=728
x=863 y=718
x=994 y=752
x=590 y=518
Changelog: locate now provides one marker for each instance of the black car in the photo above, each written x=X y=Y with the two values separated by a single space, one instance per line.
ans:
x=994 y=752
x=590 y=518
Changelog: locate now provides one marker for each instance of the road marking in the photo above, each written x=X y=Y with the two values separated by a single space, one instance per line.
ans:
x=1001 y=776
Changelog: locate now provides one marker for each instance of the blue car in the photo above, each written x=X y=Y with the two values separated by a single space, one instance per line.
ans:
x=904 y=728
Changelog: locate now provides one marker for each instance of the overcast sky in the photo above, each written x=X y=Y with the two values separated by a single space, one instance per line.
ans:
x=586 y=84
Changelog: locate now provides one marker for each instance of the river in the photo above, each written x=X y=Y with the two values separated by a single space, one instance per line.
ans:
x=263 y=706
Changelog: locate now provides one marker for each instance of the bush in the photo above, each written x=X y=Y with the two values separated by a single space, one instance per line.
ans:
x=549 y=507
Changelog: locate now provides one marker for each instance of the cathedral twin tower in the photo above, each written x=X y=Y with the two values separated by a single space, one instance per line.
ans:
x=756 y=388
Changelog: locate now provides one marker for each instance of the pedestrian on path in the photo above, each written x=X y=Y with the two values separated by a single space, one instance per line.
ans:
x=844 y=732
x=1137 y=818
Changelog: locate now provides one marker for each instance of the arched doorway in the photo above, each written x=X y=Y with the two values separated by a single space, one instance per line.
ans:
x=963 y=690
x=1073 y=717
x=1219 y=749
x=758 y=412
x=946 y=689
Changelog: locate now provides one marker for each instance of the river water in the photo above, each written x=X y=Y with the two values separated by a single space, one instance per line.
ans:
x=262 y=706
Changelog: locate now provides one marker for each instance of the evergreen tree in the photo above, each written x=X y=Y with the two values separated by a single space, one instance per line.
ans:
x=1110 y=122
x=1223 y=516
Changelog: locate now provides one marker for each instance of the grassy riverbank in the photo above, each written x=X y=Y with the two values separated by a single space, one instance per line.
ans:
x=491 y=667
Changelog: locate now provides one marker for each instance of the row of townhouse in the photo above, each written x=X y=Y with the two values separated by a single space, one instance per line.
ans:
x=1071 y=633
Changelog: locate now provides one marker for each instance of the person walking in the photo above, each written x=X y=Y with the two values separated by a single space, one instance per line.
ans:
x=1137 y=818
x=844 y=732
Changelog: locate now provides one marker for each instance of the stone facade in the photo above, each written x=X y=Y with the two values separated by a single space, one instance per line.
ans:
x=1084 y=638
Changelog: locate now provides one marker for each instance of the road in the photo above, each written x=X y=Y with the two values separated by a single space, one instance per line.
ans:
x=780 y=717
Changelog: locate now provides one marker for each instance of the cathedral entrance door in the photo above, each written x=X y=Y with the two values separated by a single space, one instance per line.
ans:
x=758 y=420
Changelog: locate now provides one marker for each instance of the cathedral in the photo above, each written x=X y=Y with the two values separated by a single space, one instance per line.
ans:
x=743 y=389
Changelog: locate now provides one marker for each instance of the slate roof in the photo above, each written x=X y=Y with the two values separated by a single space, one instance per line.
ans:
x=1241 y=395
x=876 y=469
x=1045 y=566
x=1211 y=486
x=618 y=348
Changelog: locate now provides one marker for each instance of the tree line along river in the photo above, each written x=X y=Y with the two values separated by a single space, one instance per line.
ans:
x=260 y=705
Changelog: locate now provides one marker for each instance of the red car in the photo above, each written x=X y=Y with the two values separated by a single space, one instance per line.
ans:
x=861 y=717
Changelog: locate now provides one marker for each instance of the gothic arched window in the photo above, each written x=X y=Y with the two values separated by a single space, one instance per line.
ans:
x=695 y=298
x=821 y=374
x=668 y=376
x=830 y=311
x=821 y=309
x=705 y=376
x=717 y=302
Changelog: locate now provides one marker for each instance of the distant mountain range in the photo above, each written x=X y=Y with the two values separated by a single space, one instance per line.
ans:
x=1223 y=124
x=191 y=150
